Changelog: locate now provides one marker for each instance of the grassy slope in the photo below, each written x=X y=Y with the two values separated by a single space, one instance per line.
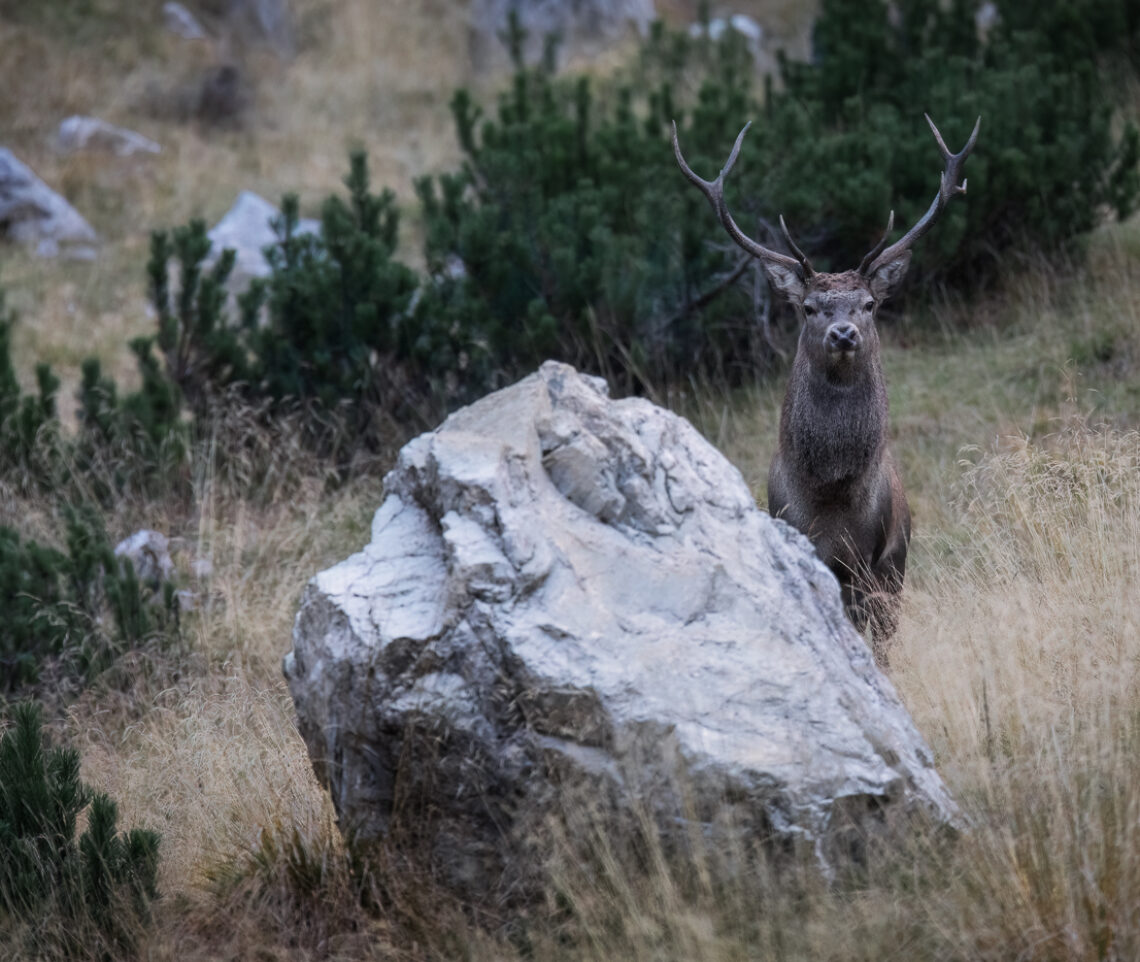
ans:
x=1015 y=655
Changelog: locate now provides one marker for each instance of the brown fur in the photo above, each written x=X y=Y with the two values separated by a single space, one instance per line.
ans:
x=833 y=476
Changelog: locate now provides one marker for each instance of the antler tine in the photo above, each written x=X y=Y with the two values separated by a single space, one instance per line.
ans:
x=965 y=151
x=714 y=191
x=878 y=248
x=948 y=186
x=800 y=255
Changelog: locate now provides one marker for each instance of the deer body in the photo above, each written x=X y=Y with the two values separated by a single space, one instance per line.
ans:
x=833 y=475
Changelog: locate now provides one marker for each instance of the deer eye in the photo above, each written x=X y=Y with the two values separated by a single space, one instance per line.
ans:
x=869 y=306
x=809 y=310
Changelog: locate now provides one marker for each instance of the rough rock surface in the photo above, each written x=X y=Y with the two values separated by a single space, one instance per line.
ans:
x=559 y=586
x=33 y=213
x=247 y=228
x=78 y=133
x=581 y=25
x=268 y=21
x=181 y=22
x=747 y=27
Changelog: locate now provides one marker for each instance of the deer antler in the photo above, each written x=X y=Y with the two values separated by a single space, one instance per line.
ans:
x=714 y=191
x=948 y=187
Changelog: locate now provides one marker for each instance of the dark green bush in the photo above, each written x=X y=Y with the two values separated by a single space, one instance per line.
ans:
x=845 y=142
x=200 y=350
x=130 y=445
x=39 y=620
x=570 y=232
x=82 y=607
x=69 y=897
x=325 y=331
x=336 y=302
x=28 y=423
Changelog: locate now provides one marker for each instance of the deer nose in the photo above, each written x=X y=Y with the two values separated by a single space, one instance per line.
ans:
x=843 y=337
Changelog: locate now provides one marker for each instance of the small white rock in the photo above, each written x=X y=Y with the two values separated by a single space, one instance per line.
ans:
x=149 y=553
x=247 y=228
x=78 y=133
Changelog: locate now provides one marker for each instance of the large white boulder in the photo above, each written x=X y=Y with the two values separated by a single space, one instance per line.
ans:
x=34 y=214
x=562 y=586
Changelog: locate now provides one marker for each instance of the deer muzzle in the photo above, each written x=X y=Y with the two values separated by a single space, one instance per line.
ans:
x=842 y=337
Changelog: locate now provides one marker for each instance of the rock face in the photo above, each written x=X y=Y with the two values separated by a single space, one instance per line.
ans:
x=90 y=133
x=181 y=22
x=267 y=21
x=748 y=28
x=563 y=587
x=33 y=213
x=586 y=25
x=247 y=228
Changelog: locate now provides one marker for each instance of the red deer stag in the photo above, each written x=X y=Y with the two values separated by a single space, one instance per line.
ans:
x=833 y=476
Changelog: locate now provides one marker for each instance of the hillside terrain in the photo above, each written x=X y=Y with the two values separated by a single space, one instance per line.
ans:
x=1015 y=417
x=368 y=75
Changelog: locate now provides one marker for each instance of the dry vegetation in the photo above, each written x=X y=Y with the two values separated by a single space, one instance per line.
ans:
x=1017 y=655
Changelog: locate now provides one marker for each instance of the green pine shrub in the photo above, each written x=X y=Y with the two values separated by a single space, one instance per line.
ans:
x=138 y=444
x=844 y=141
x=325 y=332
x=65 y=897
x=39 y=619
x=80 y=608
x=570 y=232
x=336 y=302
x=28 y=422
x=199 y=348
x=134 y=444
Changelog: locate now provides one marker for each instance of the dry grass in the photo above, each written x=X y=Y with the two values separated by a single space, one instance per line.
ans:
x=1016 y=655
x=373 y=75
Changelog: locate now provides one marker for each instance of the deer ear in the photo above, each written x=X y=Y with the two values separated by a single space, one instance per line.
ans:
x=887 y=277
x=786 y=280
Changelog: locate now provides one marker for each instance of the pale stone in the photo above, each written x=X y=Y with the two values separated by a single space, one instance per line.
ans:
x=90 y=133
x=747 y=27
x=560 y=586
x=581 y=25
x=32 y=213
x=247 y=228
x=149 y=553
x=181 y=22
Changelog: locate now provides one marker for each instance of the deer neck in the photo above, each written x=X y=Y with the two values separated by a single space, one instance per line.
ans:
x=833 y=424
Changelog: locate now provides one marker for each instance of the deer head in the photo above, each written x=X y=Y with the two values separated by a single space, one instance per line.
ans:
x=837 y=311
